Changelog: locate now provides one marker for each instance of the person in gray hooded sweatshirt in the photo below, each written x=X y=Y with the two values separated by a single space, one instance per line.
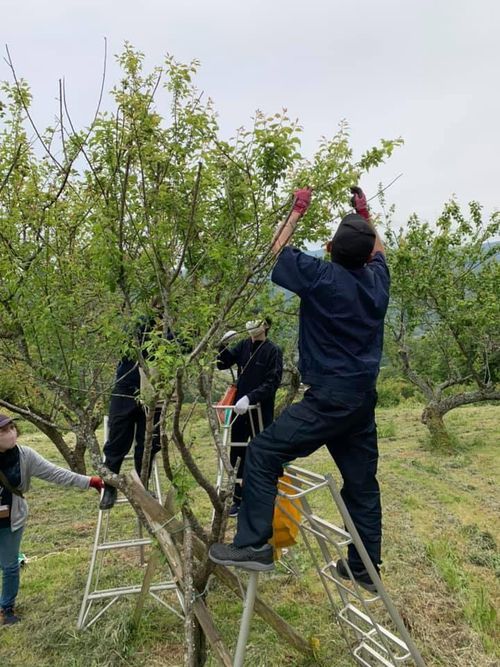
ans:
x=18 y=464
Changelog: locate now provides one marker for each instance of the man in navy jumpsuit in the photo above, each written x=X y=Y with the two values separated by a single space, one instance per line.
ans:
x=342 y=307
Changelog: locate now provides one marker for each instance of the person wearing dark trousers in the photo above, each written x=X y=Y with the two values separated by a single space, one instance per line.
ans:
x=342 y=308
x=127 y=417
x=260 y=368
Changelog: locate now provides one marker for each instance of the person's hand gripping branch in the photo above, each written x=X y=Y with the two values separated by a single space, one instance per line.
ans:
x=96 y=483
x=359 y=203
x=301 y=202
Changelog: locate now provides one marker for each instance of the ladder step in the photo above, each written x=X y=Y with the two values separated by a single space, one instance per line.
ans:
x=366 y=627
x=123 y=544
x=351 y=591
x=346 y=537
x=130 y=590
x=381 y=660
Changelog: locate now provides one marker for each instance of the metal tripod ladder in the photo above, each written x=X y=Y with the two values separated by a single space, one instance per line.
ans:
x=370 y=643
x=93 y=593
x=226 y=420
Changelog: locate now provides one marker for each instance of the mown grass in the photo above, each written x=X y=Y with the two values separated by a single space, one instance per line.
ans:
x=441 y=563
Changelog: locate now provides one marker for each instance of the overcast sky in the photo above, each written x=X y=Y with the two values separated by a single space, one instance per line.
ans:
x=425 y=70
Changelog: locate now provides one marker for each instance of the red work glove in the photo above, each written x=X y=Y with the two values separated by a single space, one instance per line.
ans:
x=358 y=202
x=96 y=483
x=302 y=200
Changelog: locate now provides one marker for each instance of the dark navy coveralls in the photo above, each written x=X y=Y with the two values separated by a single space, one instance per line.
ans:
x=340 y=345
x=260 y=367
x=127 y=417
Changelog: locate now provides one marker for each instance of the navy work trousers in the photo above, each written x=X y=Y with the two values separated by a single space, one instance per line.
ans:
x=126 y=421
x=345 y=423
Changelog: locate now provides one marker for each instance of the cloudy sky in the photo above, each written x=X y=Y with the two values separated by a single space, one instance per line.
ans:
x=425 y=70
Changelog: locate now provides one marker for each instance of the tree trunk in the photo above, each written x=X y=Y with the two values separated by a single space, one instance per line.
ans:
x=74 y=458
x=432 y=417
x=435 y=410
x=200 y=644
x=78 y=456
x=157 y=517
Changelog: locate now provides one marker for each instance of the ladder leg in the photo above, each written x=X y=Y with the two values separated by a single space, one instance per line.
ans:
x=389 y=605
x=246 y=619
x=83 y=610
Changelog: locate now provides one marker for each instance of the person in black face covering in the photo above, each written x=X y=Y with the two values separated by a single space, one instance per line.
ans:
x=342 y=308
x=260 y=367
x=126 y=415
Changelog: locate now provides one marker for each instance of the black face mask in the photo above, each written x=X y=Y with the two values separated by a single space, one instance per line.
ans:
x=10 y=466
x=353 y=242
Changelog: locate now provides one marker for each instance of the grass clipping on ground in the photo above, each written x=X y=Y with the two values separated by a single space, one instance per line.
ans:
x=441 y=563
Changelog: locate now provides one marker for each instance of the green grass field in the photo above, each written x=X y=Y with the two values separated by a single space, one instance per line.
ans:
x=441 y=563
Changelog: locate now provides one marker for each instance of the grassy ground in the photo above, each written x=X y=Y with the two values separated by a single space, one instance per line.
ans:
x=441 y=563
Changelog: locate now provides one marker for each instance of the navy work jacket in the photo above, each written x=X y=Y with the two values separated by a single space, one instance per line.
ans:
x=341 y=322
x=260 y=367
x=127 y=373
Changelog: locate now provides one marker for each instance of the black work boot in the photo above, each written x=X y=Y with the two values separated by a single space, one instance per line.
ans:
x=108 y=497
x=8 y=617
x=362 y=577
x=259 y=559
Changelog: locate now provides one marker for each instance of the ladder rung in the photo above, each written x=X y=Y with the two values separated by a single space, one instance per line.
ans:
x=141 y=542
x=306 y=486
x=302 y=473
x=129 y=590
x=332 y=527
x=374 y=630
x=346 y=588
x=373 y=654
x=320 y=536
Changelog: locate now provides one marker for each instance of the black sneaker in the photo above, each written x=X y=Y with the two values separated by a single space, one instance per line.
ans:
x=233 y=512
x=108 y=497
x=8 y=617
x=249 y=558
x=362 y=577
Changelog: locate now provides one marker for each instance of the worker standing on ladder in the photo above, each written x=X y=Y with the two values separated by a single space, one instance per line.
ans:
x=260 y=367
x=126 y=415
x=342 y=308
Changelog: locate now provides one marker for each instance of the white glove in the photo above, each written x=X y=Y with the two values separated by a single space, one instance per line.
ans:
x=241 y=406
x=228 y=335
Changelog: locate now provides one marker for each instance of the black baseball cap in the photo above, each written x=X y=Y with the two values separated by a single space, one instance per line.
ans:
x=353 y=242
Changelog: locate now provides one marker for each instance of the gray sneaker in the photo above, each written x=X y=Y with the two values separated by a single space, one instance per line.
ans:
x=259 y=559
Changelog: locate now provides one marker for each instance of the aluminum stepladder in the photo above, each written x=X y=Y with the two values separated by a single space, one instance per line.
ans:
x=371 y=644
x=226 y=420
x=93 y=594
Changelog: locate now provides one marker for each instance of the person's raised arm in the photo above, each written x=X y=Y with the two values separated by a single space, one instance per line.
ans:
x=360 y=205
x=286 y=229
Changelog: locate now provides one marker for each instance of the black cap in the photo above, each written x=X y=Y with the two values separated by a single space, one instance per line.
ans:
x=353 y=242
